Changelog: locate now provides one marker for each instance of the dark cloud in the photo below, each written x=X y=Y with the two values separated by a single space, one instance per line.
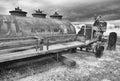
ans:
x=109 y=10
x=74 y=10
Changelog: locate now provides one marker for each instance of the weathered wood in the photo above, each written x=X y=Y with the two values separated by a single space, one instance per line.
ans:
x=15 y=38
x=18 y=43
x=32 y=52
x=10 y=50
x=67 y=61
x=112 y=41
x=8 y=43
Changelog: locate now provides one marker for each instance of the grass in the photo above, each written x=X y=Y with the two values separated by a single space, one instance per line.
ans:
x=88 y=68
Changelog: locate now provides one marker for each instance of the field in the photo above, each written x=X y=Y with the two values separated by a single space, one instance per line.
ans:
x=88 y=68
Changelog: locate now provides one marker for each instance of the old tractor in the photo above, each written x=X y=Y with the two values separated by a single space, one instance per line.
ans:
x=92 y=35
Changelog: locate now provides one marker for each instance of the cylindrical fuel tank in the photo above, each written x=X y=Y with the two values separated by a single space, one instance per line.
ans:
x=21 y=29
x=13 y=26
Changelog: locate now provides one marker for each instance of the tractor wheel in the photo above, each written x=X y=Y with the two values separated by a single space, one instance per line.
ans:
x=99 y=51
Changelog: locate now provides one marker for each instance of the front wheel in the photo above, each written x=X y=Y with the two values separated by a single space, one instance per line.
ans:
x=99 y=51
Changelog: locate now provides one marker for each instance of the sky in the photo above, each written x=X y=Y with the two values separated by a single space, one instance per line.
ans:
x=73 y=10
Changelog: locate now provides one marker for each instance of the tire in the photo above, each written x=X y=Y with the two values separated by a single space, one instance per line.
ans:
x=99 y=51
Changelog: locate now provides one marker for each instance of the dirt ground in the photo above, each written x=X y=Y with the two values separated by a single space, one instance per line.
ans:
x=88 y=68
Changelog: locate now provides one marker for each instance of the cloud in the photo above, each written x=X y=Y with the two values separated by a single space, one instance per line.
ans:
x=6 y=5
x=74 y=10
x=88 y=11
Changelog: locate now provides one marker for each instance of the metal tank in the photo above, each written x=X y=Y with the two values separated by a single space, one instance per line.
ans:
x=15 y=27
x=22 y=37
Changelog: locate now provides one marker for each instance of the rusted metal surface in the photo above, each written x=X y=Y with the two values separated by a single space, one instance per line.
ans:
x=12 y=26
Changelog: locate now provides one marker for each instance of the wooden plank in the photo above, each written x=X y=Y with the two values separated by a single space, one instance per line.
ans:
x=16 y=49
x=53 y=39
x=67 y=61
x=16 y=38
x=17 y=43
x=33 y=52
